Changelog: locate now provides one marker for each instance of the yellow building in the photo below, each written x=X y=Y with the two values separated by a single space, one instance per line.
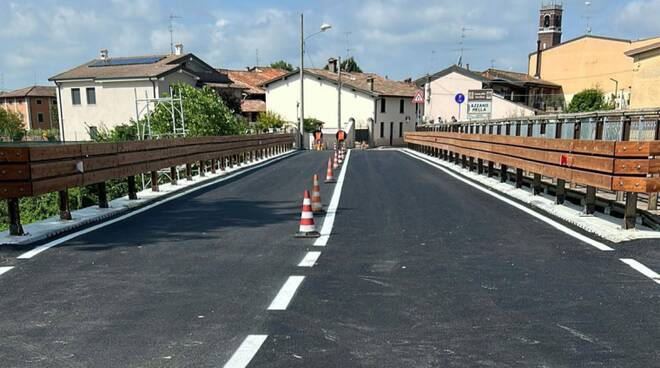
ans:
x=645 y=76
x=595 y=62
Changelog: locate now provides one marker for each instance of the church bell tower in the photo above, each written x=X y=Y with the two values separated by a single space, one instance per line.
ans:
x=550 y=25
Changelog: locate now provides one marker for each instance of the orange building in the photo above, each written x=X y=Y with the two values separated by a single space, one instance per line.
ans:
x=34 y=105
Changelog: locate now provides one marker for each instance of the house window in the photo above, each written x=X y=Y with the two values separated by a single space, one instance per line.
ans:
x=75 y=96
x=401 y=106
x=40 y=117
x=401 y=128
x=382 y=105
x=38 y=102
x=91 y=96
x=382 y=129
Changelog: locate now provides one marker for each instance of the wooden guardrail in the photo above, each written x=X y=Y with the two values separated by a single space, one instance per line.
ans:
x=630 y=166
x=30 y=170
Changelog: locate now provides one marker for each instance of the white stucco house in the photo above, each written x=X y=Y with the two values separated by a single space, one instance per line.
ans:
x=441 y=88
x=378 y=109
x=101 y=93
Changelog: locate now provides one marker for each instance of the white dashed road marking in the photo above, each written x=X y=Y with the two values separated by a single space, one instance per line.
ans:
x=642 y=269
x=248 y=349
x=310 y=259
x=288 y=290
x=5 y=269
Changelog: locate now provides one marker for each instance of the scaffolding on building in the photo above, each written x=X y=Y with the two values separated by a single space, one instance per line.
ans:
x=145 y=107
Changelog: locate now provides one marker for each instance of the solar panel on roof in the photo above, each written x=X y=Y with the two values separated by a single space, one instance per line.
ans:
x=127 y=61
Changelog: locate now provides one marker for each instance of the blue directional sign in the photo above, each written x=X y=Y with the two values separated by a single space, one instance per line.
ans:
x=460 y=98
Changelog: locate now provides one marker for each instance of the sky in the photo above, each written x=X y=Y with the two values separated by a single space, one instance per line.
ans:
x=394 y=38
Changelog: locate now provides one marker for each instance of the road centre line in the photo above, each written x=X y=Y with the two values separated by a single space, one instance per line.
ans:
x=329 y=220
x=286 y=293
x=5 y=269
x=41 y=248
x=310 y=259
x=642 y=269
x=547 y=220
x=248 y=349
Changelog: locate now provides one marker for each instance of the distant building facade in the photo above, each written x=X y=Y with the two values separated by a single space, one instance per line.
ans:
x=102 y=92
x=440 y=89
x=253 y=97
x=645 y=91
x=380 y=110
x=34 y=104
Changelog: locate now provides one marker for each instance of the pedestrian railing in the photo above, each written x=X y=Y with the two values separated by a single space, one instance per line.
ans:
x=630 y=167
x=31 y=170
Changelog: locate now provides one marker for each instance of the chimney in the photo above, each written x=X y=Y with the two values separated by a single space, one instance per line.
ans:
x=538 y=60
x=178 y=49
x=407 y=80
x=467 y=66
x=370 y=80
x=104 y=54
x=332 y=65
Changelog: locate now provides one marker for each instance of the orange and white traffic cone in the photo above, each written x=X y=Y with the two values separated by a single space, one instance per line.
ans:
x=317 y=205
x=329 y=177
x=335 y=164
x=307 y=228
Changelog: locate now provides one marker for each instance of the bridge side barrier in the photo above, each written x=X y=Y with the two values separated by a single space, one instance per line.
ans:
x=630 y=167
x=31 y=170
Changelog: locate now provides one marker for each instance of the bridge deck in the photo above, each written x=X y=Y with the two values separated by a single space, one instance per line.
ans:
x=420 y=271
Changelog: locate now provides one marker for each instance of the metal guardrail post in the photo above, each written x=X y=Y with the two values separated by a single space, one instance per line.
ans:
x=536 y=184
x=65 y=212
x=590 y=201
x=519 y=178
x=15 y=227
x=630 y=211
x=173 y=175
x=154 y=181
x=560 y=191
x=202 y=168
x=503 y=173
x=132 y=189
x=188 y=172
x=103 y=195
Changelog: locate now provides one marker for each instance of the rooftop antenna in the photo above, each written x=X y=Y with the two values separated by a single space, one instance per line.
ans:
x=257 y=53
x=2 y=82
x=348 y=45
x=172 y=17
x=587 y=16
x=461 y=45
x=492 y=63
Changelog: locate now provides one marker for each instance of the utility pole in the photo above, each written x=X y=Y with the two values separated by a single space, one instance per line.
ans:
x=338 y=92
x=171 y=28
x=301 y=123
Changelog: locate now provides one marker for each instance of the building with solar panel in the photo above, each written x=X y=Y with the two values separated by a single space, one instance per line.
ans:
x=102 y=93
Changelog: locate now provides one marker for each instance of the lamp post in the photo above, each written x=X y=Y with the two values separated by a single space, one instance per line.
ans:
x=301 y=125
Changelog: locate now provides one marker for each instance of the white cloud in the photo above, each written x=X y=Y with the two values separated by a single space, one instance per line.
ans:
x=638 y=17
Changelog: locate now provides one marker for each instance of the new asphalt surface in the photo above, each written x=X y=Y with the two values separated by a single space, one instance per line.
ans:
x=420 y=271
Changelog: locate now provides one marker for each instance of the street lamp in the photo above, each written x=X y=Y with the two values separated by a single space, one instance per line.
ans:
x=324 y=27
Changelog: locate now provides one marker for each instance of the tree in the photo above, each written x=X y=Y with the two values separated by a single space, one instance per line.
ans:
x=11 y=125
x=281 y=64
x=269 y=120
x=311 y=124
x=349 y=65
x=591 y=99
x=205 y=114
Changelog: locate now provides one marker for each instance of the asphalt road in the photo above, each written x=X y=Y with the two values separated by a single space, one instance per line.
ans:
x=420 y=271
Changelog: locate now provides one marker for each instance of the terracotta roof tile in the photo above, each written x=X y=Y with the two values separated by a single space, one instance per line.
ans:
x=253 y=78
x=32 y=91
x=253 y=106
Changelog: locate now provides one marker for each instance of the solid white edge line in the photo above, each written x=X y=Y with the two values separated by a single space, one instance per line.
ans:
x=329 y=220
x=547 y=220
x=642 y=269
x=286 y=293
x=310 y=259
x=5 y=269
x=248 y=349
x=41 y=248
